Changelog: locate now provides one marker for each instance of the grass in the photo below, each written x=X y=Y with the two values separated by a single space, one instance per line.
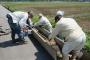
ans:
x=87 y=45
x=49 y=9
x=70 y=7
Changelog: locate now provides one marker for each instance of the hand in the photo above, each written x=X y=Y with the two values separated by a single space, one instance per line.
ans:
x=52 y=42
x=25 y=29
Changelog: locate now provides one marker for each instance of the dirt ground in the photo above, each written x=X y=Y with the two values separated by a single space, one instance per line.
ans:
x=85 y=24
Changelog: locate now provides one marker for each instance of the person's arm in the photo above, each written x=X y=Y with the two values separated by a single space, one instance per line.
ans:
x=50 y=28
x=29 y=23
x=23 y=21
x=55 y=31
x=40 y=23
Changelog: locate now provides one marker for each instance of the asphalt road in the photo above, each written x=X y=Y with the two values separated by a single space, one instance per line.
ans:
x=32 y=50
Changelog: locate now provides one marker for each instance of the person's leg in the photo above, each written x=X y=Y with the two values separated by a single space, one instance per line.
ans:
x=65 y=57
x=77 y=53
x=21 y=39
x=10 y=22
x=13 y=36
x=12 y=32
x=20 y=34
x=67 y=48
x=65 y=54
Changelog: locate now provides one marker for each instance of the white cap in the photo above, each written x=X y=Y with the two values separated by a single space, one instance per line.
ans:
x=60 y=13
x=40 y=14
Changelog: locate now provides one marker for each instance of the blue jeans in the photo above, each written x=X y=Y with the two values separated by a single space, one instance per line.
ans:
x=15 y=29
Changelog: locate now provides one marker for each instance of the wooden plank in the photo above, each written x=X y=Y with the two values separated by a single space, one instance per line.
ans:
x=46 y=33
x=53 y=50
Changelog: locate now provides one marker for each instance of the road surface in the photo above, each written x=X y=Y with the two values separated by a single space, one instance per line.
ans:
x=30 y=51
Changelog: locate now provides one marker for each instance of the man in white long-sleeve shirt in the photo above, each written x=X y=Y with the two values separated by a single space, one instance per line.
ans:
x=18 y=21
x=44 y=22
x=74 y=36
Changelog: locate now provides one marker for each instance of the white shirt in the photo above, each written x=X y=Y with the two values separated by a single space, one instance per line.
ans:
x=68 y=28
x=45 y=22
x=19 y=17
x=31 y=23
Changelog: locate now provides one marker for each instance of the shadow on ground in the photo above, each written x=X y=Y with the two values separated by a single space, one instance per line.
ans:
x=8 y=44
x=42 y=54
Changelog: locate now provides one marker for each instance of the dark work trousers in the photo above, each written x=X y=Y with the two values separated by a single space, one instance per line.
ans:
x=15 y=29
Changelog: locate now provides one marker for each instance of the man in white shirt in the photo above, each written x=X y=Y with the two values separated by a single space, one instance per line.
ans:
x=44 y=22
x=74 y=36
x=18 y=22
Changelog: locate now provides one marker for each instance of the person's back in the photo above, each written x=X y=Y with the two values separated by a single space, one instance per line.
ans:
x=21 y=17
x=20 y=14
x=69 y=28
x=45 y=23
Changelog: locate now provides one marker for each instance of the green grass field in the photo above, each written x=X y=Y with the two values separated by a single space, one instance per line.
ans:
x=49 y=9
